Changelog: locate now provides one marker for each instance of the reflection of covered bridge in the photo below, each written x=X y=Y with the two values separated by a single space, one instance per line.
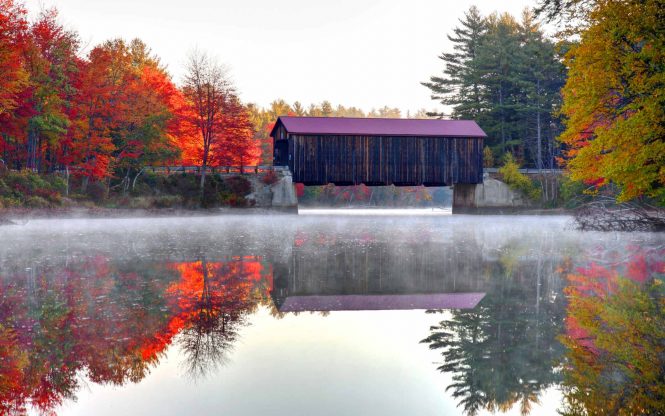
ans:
x=401 y=152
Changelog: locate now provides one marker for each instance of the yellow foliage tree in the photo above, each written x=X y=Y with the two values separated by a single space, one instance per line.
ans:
x=614 y=99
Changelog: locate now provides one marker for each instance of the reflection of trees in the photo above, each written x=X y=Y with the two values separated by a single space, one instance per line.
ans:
x=615 y=338
x=89 y=317
x=214 y=300
x=112 y=322
x=503 y=352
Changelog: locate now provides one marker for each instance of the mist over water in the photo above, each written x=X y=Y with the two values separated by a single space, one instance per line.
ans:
x=396 y=313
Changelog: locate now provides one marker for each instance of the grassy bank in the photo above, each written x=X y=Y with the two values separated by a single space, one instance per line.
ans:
x=26 y=190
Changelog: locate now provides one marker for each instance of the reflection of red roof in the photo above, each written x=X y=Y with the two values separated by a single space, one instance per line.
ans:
x=380 y=126
x=381 y=302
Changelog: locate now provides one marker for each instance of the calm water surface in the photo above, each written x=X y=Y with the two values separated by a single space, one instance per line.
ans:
x=328 y=315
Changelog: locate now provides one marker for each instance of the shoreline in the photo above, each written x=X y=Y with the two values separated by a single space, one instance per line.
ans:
x=9 y=215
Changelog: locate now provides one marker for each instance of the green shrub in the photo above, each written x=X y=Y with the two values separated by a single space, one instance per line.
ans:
x=238 y=185
x=167 y=201
x=56 y=183
x=149 y=183
x=10 y=202
x=186 y=186
x=20 y=187
x=517 y=181
x=96 y=191
x=4 y=189
x=139 y=202
x=36 y=202
x=488 y=157
x=571 y=193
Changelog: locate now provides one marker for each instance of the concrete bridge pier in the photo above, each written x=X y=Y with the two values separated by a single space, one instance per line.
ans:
x=284 y=193
x=491 y=196
x=279 y=195
x=464 y=198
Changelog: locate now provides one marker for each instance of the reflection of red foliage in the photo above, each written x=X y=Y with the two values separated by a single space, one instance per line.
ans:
x=229 y=282
x=600 y=281
x=108 y=323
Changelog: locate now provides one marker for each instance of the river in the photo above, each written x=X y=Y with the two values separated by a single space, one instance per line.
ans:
x=327 y=314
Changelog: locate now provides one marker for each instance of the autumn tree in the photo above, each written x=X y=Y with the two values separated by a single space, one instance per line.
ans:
x=148 y=102
x=238 y=146
x=208 y=88
x=124 y=108
x=13 y=77
x=614 y=96
x=52 y=61
x=90 y=144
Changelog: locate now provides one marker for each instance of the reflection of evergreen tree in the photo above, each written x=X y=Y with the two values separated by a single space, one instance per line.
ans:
x=462 y=341
x=504 y=351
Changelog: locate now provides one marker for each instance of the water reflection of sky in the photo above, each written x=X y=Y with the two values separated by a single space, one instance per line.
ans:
x=182 y=316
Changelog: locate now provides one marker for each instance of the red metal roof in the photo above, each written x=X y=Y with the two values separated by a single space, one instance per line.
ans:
x=379 y=126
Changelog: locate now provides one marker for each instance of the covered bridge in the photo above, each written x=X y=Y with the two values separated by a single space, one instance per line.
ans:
x=374 y=151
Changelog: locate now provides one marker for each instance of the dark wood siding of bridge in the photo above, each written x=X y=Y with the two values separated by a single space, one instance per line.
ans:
x=385 y=160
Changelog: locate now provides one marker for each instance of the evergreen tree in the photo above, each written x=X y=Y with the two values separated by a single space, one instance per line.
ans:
x=543 y=76
x=497 y=58
x=459 y=86
x=506 y=75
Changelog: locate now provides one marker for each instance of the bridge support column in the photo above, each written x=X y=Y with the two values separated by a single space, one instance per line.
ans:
x=490 y=197
x=464 y=198
x=284 y=193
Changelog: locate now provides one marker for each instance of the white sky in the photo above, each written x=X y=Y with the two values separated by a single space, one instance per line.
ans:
x=363 y=53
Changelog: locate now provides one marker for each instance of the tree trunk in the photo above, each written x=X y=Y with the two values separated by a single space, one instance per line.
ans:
x=136 y=177
x=203 y=180
x=125 y=183
x=67 y=180
x=539 y=160
x=30 y=162
x=204 y=166
x=503 y=135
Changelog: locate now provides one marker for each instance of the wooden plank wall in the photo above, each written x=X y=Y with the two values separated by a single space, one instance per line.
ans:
x=385 y=160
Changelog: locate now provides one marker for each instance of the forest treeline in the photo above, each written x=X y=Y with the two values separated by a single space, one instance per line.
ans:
x=589 y=99
x=103 y=116
x=109 y=113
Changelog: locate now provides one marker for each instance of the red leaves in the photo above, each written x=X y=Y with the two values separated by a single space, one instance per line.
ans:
x=233 y=143
x=114 y=110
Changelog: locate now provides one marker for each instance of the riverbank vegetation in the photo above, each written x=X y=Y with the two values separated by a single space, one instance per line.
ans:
x=30 y=190
x=588 y=100
x=614 y=109
x=95 y=121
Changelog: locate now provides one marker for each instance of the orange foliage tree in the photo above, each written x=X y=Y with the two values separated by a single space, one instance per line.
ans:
x=216 y=126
